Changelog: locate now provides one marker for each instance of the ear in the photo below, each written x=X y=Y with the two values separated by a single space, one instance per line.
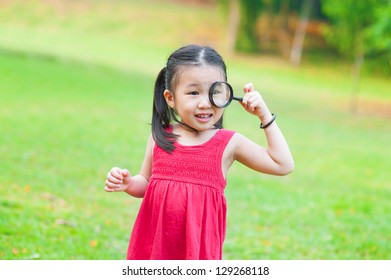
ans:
x=169 y=98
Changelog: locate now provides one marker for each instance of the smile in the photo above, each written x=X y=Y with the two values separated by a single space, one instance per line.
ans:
x=203 y=117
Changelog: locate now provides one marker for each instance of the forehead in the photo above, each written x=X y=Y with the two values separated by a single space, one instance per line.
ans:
x=204 y=74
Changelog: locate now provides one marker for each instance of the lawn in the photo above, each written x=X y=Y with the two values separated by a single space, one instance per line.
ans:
x=75 y=100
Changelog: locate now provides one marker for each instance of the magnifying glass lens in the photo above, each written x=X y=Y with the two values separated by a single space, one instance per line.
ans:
x=221 y=94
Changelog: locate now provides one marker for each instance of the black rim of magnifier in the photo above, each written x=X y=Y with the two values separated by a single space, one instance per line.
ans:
x=231 y=96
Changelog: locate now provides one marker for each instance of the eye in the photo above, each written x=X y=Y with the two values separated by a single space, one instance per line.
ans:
x=193 y=93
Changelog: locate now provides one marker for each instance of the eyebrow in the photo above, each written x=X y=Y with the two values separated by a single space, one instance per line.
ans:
x=193 y=85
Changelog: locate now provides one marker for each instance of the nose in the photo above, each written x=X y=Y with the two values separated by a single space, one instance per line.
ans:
x=204 y=102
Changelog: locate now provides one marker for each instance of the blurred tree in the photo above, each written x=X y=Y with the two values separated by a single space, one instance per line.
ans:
x=247 y=39
x=243 y=33
x=379 y=39
x=242 y=18
x=282 y=11
x=233 y=24
x=358 y=28
x=298 y=40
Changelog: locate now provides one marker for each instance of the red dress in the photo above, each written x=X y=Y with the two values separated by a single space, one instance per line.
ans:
x=183 y=213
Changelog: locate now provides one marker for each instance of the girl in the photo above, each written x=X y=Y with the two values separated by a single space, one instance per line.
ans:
x=183 y=175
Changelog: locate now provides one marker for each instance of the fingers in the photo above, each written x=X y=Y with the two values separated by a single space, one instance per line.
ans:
x=252 y=100
x=125 y=172
x=112 y=186
x=115 y=179
x=248 y=87
x=115 y=173
x=107 y=189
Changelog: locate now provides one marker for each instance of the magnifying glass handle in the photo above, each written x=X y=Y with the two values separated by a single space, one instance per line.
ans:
x=237 y=98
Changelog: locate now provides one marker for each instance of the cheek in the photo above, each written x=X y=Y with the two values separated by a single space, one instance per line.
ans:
x=218 y=114
x=184 y=105
x=219 y=111
x=187 y=103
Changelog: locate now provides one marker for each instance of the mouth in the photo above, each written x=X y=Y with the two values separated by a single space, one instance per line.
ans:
x=203 y=117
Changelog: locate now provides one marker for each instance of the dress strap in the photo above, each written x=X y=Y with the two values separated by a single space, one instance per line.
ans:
x=225 y=135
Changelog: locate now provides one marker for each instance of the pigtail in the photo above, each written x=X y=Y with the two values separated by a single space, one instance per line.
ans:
x=161 y=115
x=219 y=123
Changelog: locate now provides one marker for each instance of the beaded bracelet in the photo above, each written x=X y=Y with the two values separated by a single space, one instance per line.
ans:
x=269 y=123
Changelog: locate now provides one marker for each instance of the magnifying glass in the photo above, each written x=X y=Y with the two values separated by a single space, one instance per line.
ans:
x=221 y=94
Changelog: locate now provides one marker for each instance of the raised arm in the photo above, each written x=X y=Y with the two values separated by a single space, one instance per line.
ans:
x=276 y=159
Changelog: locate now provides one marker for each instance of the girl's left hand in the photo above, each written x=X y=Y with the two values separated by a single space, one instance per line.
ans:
x=254 y=103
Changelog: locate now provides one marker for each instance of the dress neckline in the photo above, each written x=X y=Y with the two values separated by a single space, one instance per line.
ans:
x=206 y=143
x=202 y=145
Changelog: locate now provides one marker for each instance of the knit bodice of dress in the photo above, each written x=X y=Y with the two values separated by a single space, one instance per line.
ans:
x=199 y=164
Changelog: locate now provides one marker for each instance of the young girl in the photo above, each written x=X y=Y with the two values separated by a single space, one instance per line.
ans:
x=183 y=175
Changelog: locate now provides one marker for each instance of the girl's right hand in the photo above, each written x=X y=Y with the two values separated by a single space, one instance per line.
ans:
x=118 y=180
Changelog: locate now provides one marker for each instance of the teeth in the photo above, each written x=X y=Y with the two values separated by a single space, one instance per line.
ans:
x=203 y=116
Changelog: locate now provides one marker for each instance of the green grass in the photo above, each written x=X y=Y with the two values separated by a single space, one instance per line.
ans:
x=70 y=113
x=63 y=127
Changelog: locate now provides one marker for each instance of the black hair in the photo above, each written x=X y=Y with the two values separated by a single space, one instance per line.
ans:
x=162 y=114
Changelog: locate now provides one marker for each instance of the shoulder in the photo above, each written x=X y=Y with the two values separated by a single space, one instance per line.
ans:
x=150 y=138
x=241 y=146
x=150 y=145
x=230 y=138
x=234 y=137
x=151 y=141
